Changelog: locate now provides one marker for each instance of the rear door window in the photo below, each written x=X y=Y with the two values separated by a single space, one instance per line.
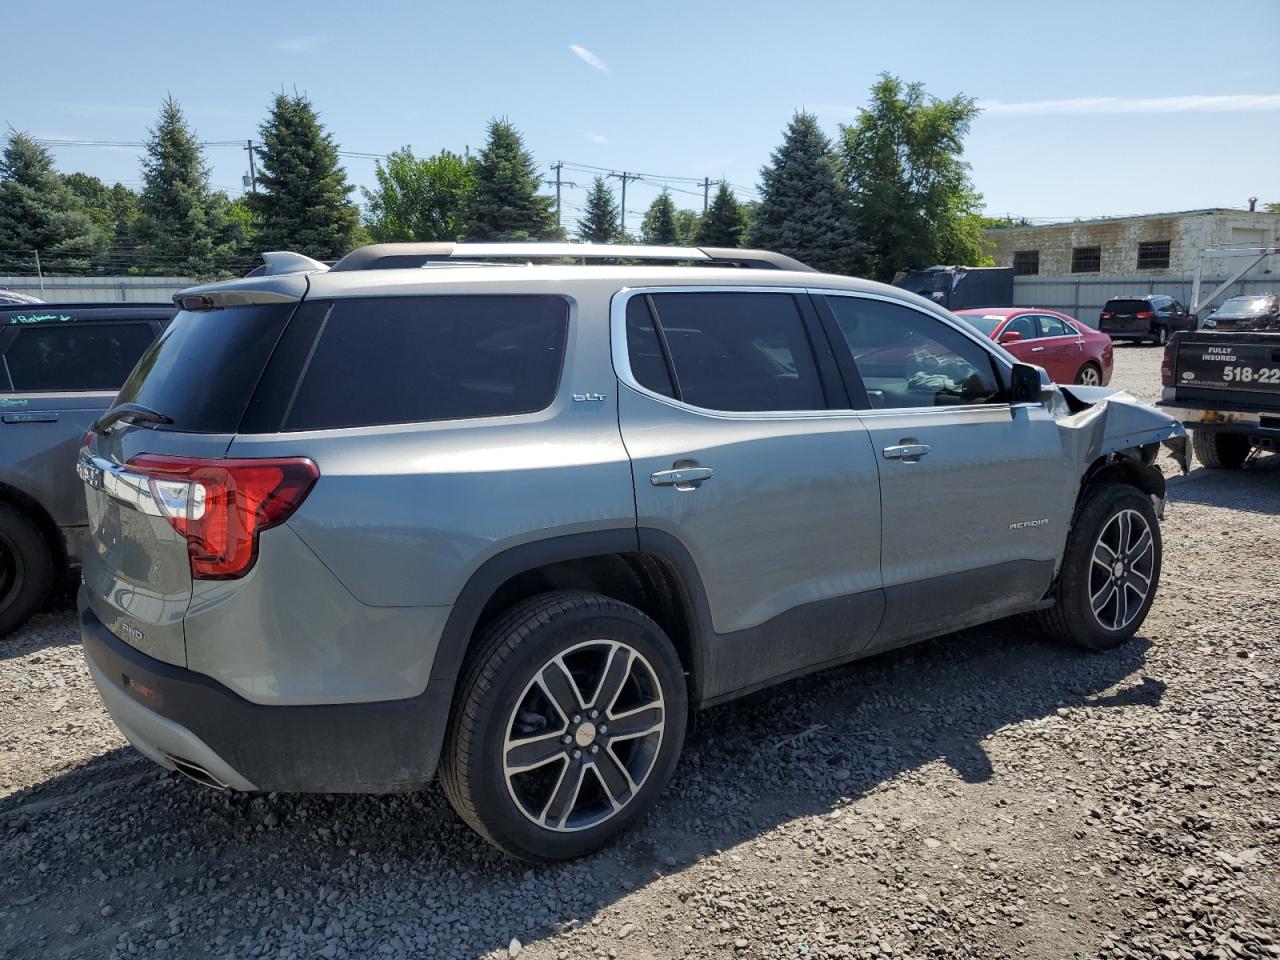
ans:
x=745 y=352
x=413 y=359
x=77 y=355
x=1054 y=327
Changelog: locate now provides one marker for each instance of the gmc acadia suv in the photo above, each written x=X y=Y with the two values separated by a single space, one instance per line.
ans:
x=423 y=508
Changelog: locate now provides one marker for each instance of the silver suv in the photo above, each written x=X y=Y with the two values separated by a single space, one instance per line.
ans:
x=429 y=508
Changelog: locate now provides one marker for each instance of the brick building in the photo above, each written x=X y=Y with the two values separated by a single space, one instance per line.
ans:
x=1162 y=246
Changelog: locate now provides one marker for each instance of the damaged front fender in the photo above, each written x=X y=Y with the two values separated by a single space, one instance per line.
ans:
x=1098 y=421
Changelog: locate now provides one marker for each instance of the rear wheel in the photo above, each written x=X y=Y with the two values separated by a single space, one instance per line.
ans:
x=1220 y=451
x=1110 y=570
x=1162 y=335
x=567 y=726
x=26 y=568
x=1090 y=375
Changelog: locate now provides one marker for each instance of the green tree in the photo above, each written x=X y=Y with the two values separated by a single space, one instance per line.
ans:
x=302 y=203
x=506 y=204
x=687 y=222
x=600 y=222
x=725 y=222
x=181 y=226
x=420 y=199
x=114 y=210
x=659 y=224
x=804 y=208
x=39 y=212
x=1271 y=207
x=913 y=202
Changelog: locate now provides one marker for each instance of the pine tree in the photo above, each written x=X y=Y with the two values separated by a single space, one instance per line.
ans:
x=180 y=226
x=506 y=204
x=600 y=223
x=659 y=224
x=38 y=212
x=725 y=222
x=302 y=201
x=804 y=208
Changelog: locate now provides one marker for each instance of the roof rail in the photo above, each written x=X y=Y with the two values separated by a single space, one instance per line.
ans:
x=390 y=256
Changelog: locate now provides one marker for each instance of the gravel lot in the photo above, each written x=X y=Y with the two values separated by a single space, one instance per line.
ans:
x=985 y=795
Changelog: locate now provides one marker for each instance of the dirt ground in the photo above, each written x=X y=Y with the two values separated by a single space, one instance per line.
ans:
x=987 y=794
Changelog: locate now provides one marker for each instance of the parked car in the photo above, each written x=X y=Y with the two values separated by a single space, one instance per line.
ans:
x=516 y=521
x=1252 y=312
x=13 y=297
x=60 y=367
x=1071 y=352
x=1155 y=318
x=1223 y=382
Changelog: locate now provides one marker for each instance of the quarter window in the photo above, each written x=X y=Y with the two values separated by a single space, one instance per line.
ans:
x=732 y=351
x=644 y=349
x=413 y=359
x=907 y=358
x=76 y=356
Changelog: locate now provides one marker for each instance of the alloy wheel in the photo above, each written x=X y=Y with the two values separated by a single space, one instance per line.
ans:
x=1122 y=569
x=1090 y=377
x=583 y=736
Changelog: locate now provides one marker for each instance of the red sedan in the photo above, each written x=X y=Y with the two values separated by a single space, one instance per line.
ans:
x=1071 y=351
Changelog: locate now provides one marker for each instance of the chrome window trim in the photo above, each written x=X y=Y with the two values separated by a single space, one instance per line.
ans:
x=622 y=362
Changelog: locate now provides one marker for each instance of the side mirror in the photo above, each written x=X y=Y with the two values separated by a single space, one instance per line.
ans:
x=1010 y=336
x=1024 y=384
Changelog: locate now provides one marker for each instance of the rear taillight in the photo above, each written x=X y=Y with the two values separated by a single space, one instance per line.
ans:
x=1144 y=314
x=220 y=506
x=1166 y=365
x=1105 y=315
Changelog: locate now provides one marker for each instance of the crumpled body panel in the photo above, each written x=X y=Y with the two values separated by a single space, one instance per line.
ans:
x=1107 y=421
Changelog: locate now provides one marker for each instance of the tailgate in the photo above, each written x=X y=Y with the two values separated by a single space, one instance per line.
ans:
x=1231 y=363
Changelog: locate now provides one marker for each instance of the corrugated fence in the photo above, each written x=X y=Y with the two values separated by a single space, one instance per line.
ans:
x=1083 y=299
x=99 y=289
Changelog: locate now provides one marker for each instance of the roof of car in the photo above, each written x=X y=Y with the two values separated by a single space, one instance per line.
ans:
x=24 y=314
x=1007 y=312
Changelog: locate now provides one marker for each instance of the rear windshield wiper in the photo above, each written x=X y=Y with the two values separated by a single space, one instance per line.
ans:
x=134 y=413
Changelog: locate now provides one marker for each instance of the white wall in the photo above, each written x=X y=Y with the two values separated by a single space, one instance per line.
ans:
x=99 y=289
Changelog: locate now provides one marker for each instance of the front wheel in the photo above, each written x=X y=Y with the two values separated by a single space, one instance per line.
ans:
x=26 y=568
x=1220 y=451
x=1110 y=570
x=567 y=725
x=1090 y=375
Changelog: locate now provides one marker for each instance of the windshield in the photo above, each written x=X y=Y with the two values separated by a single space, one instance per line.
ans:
x=984 y=324
x=1246 y=307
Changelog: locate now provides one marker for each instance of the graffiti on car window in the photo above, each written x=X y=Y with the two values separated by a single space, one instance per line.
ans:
x=38 y=318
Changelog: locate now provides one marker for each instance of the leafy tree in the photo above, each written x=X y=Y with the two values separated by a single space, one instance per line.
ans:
x=687 y=222
x=725 y=222
x=600 y=222
x=659 y=224
x=913 y=202
x=181 y=226
x=804 y=209
x=1271 y=207
x=420 y=199
x=302 y=203
x=39 y=212
x=506 y=204
x=114 y=210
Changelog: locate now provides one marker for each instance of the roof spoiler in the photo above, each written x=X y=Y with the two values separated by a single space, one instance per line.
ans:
x=391 y=256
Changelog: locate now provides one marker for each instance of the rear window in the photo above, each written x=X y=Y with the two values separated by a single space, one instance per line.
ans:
x=204 y=367
x=413 y=359
x=75 y=356
x=1125 y=306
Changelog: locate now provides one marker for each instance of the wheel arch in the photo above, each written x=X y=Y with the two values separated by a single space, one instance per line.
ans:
x=1127 y=467
x=32 y=507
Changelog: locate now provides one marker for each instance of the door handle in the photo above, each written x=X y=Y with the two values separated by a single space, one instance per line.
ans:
x=682 y=478
x=910 y=452
x=1037 y=349
x=29 y=418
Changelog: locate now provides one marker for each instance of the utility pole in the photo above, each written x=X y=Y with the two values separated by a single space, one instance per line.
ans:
x=706 y=193
x=557 y=167
x=253 y=170
x=39 y=272
x=622 y=217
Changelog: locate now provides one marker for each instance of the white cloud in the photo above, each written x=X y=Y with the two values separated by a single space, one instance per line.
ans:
x=1225 y=103
x=589 y=58
x=598 y=139
x=297 y=44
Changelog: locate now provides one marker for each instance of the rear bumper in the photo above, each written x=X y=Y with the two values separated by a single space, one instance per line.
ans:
x=1223 y=419
x=170 y=713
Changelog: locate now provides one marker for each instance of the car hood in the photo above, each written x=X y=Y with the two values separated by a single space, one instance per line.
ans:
x=1097 y=421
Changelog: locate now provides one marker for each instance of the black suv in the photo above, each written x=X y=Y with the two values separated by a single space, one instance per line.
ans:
x=60 y=367
x=1155 y=318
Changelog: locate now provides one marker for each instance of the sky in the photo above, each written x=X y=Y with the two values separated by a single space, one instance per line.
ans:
x=1089 y=109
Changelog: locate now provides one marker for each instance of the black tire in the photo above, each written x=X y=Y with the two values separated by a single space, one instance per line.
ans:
x=1072 y=619
x=1220 y=451
x=1161 y=336
x=26 y=568
x=493 y=690
x=1089 y=366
